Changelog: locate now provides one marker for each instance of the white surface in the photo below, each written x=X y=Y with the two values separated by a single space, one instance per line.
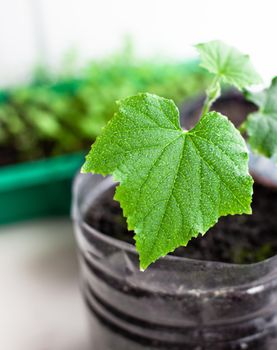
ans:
x=40 y=302
x=35 y=29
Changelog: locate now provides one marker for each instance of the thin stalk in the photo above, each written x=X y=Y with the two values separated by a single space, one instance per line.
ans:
x=213 y=92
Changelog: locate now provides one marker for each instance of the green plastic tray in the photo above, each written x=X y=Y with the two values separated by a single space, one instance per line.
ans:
x=37 y=189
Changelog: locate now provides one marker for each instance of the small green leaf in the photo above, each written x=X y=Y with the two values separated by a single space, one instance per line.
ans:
x=227 y=63
x=174 y=184
x=261 y=126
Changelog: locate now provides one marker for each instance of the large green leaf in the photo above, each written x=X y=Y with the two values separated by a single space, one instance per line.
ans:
x=228 y=64
x=261 y=126
x=174 y=184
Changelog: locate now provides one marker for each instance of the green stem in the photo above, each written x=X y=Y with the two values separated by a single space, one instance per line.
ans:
x=213 y=92
x=243 y=128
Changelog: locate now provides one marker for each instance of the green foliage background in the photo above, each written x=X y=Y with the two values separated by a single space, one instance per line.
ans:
x=51 y=118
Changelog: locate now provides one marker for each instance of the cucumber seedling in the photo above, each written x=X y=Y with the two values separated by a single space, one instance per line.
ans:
x=175 y=183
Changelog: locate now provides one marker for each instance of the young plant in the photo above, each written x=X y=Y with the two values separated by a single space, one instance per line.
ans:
x=261 y=126
x=175 y=183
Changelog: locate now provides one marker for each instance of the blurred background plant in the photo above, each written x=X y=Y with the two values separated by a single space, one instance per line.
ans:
x=61 y=114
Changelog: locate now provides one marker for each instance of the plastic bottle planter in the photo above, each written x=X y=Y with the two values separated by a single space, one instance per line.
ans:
x=177 y=303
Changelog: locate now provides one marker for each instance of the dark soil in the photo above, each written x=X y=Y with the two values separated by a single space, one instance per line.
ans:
x=8 y=155
x=234 y=239
x=12 y=155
